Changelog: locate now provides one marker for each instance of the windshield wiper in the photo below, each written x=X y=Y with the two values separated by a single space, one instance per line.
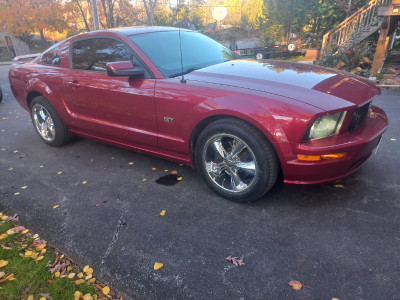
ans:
x=184 y=72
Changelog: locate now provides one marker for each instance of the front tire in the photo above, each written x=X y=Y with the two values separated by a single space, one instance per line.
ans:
x=48 y=123
x=236 y=160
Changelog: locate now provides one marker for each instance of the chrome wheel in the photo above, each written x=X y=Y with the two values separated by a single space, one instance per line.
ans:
x=259 y=56
x=230 y=163
x=43 y=122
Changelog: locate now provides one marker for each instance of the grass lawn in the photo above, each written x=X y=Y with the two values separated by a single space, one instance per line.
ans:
x=30 y=269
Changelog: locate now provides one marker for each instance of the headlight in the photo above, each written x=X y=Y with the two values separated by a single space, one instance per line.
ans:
x=325 y=126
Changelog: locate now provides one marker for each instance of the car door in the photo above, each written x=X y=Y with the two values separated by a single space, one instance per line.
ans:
x=117 y=108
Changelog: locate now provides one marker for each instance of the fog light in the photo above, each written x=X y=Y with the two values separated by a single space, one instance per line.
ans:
x=320 y=157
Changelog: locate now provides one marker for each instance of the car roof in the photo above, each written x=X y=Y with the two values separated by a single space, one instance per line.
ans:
x=144 y=29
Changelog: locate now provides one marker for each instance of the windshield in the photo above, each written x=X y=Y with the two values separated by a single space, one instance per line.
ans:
x=198 y=51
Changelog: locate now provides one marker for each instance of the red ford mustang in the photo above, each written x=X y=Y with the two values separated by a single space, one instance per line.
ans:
x=179 y=95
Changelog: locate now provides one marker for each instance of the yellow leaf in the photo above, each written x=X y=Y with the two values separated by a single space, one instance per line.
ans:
x=40 y=258
x=28 y=253
x=44 y=251
x=43 y=298
x=30 y=297
x=56 y=206
x=57 y=274
x=179 y=178
x=339 y=186
x=79 y=281
x=166 y=170
x=2 y=274
x=35 y=236
x=16 y=194
x=87 y=297
x=89 y=276
x=71 y=275
x=69 y=268
x=174 y=172
x=80 y=275
x=77 y=295
x=85 y=268
x=131 y=163
x=162 y=213
x=89 y=271
x=153 y=169
x=158 y=266
x=59 y=173
x=25 y=231
x=10 y=169
x=24 y=187
x=95 y=297
x=40 y=247
x=393 y=140
x=41 y=166
x=3 y=236
x=84 y=182
x=3 y=217
x=34 y=255
x=106 y=290
x=92 y=280
x=10 y=277
x=3 y=263
x=144 y=179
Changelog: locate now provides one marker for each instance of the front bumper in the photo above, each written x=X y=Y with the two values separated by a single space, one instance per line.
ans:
x=358 y=146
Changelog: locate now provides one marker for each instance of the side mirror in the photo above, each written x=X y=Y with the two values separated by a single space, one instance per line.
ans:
x=124 y=68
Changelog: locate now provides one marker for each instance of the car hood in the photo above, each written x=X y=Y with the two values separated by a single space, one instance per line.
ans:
x=325 y=88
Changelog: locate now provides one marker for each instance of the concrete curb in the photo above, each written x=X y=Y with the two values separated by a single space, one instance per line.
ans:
x=389 y=86
x=6 y=63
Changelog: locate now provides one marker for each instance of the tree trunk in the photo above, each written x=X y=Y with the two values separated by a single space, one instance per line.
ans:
x=83 y=16
x=42 y=38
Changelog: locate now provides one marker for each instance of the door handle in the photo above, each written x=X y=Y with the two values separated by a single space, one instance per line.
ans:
x=73 y=84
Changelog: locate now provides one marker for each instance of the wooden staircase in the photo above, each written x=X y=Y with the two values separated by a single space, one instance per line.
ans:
x=356 y=27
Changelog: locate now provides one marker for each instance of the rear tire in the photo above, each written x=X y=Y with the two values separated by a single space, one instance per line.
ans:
x=1 y=95
x=259 y=55
x=236 y=160
x=48 y=123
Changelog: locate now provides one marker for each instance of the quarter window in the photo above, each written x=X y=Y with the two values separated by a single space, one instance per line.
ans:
x=93 y=54
x=51 y=57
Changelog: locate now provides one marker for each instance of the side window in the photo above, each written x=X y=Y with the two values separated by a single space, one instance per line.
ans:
x=51 y=57
x=93 y=54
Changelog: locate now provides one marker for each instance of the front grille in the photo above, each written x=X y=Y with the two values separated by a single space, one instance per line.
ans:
x=359 y=117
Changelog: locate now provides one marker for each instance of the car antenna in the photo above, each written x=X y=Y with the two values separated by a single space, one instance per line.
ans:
x=183 y=80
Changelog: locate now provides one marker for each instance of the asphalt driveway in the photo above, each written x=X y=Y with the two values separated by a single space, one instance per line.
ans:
x=342 y=241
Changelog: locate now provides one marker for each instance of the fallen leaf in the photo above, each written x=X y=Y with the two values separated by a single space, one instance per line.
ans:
x=59 y=173
x=40 y=247
x=153 y=169
x=158 y=266
x=57 y=274
x=58 y=267
x=162 y=213
x=79 y=281
x=24 y=187
x=13 y=218
x=106 y=290
x=144 y=179
x=40 y=258
x=16 y=229
x=71 y=275
x=3 y=263
x=89 y=271
x=35 y=236
x=23 y=156
x=179 y=178
x=84 y=182
x=131 y=163
x=10 y=169
x=296 y=285
x=2 y=274
x=89 y=276
x=3 y=236
x=393 y=140
x=92 y=280
x=77 y=295
x=56 y=206
x=41 y=166
x=25 y=231
x=80 y=275
x=30 y=297
x=235 y=260
x=87 y=297
x=174 y=172
x=16 y=194
x=339 y=186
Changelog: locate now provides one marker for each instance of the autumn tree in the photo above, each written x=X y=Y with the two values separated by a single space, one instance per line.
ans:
x=22 y=18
